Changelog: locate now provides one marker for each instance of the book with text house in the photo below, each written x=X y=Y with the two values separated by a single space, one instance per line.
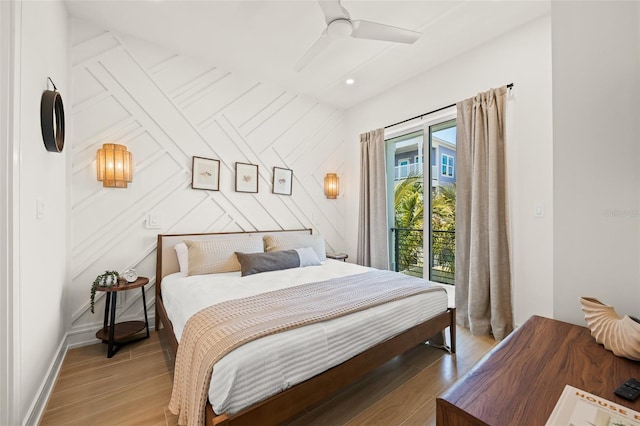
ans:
x=579 y=408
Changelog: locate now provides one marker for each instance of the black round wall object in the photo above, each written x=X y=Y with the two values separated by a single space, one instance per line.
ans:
x=52 y=120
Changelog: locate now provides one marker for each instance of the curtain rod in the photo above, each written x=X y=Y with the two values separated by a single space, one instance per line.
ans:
x=509 y=86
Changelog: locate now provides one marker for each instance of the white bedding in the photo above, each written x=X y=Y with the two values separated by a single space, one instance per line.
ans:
x=271 y=364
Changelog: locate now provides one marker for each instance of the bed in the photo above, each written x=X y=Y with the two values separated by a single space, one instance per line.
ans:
x=329 y=366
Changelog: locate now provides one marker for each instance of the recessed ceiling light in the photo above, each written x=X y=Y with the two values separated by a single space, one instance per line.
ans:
x=349 y=81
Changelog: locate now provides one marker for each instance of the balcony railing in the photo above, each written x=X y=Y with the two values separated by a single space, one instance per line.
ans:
x=406 y=170
x=408 y=253
x=415 y=169
x=443 y=256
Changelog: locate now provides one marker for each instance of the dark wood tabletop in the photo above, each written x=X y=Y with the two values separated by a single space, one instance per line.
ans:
x=123 y=285
x=522 y=378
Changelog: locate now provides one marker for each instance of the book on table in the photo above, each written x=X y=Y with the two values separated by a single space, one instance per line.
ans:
x=576 y=407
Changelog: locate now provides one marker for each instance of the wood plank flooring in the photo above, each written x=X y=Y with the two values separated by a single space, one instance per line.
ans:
x=134 y=387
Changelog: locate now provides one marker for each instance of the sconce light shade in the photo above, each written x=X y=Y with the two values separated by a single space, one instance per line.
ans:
x=114 y=165
x=331 y=185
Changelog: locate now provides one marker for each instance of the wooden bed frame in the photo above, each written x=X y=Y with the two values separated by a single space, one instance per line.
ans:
x=292 y=401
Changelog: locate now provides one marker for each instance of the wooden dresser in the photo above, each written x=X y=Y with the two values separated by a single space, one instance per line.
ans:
x=521 y=379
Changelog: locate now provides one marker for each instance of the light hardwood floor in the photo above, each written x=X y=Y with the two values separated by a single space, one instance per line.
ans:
x=134 y=387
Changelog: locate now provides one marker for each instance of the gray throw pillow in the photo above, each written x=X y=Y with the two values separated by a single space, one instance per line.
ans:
x=253 y=263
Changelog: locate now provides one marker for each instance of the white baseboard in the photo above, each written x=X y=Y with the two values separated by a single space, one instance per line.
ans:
x=40 y=402
x=72 y=339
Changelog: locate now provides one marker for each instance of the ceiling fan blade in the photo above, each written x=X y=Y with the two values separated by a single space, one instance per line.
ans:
x=313 y=51
x=375 y=31
x=333 y=10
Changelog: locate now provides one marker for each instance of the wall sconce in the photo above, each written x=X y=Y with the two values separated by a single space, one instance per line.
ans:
x=331 y=186
x=115 y=165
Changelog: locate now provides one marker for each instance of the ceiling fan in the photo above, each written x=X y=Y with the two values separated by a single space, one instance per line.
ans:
x=340 y=25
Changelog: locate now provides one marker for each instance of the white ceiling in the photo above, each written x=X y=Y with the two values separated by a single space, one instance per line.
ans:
x=264 y=39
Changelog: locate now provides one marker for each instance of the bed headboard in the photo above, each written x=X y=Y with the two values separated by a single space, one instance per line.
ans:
x=167 y=260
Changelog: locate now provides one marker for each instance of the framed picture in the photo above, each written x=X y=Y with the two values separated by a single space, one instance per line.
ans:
x=246 y=177
x=205 y=174
x=282 y=181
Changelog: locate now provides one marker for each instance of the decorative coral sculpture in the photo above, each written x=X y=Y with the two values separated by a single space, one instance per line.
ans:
x=619 y=335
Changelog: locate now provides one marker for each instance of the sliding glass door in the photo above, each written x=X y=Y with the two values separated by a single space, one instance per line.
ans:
x=405 y=190
x=418 y=159
x=442 y=238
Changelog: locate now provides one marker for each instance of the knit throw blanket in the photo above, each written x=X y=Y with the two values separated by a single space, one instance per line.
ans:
x=217 y=330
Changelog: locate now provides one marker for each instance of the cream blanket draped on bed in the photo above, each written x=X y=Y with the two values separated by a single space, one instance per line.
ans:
x=218 y=329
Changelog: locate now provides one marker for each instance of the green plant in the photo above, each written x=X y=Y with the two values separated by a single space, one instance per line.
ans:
x=106 y=279
x=409 y=217
x=443 y=206
x=443 y=218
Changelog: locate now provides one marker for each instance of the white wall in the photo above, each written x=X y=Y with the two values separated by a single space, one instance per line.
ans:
x=167 y=108
x=522 y=57
x=596 y=110
x=8 y=410
x=42 y=253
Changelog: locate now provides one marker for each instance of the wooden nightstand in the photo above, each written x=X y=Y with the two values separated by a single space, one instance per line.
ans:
x=116 y=335
x=338 y=256
x=523 y=377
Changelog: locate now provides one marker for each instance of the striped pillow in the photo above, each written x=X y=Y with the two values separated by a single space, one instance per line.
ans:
x=219 y=255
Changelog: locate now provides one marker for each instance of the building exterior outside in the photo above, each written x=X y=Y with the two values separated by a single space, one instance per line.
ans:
x=443 y=161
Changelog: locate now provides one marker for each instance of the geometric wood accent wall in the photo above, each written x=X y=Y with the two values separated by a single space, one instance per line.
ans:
x=167 y=108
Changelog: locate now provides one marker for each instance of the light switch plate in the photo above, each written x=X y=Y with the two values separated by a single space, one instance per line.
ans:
x=39 y=208
x=154 y=221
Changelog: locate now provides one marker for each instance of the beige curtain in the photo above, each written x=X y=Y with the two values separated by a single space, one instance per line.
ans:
x=483 y=279
x=373 y=245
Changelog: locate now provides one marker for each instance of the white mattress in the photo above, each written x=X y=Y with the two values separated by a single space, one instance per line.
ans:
x=266 y=366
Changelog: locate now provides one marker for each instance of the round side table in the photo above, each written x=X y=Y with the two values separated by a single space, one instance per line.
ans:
x=117 y=335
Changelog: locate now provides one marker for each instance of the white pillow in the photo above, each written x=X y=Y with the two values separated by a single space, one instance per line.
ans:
x=292 y=242
x=183 y=256
x=219 y=255
x=308 y=257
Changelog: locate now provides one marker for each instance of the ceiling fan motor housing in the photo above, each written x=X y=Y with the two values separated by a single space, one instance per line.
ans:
x=340 y=28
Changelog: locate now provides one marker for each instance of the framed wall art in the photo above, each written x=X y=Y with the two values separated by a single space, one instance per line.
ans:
x=205 y=174
x=282 y=181
x=246 y=177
